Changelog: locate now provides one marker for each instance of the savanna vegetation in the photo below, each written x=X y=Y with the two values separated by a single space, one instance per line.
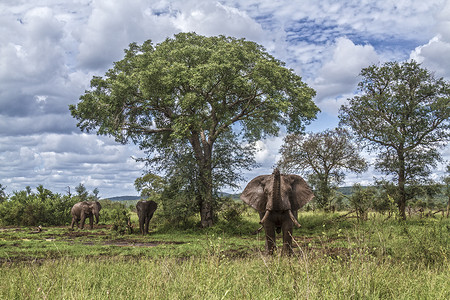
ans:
x=335 y=257
x=197 y=105
x=365 y=254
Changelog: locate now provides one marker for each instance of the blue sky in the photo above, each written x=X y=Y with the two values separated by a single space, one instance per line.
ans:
x=50 y=49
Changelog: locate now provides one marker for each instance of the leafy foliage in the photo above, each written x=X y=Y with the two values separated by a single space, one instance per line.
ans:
x=26 y=208
x=323 y=156
x=3 y=195
x=362 y=200
x=192 y=97
x=402 y=113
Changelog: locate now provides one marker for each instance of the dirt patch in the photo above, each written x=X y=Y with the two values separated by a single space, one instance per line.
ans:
x=135 y=243
x=126 y=244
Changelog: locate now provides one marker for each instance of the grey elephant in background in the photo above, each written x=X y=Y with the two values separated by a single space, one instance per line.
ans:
x=145 y=210
x=86 y=209
x=277 y=198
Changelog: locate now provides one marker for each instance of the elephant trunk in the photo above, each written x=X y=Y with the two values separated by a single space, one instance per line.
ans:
x=97 y=215
x=274 y=202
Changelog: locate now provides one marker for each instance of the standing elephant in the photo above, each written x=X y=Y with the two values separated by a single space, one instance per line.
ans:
x=145 y=210
x=86 y=209
x=277 y=198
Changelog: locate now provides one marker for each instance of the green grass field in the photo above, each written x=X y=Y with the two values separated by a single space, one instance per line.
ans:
x=333 y=259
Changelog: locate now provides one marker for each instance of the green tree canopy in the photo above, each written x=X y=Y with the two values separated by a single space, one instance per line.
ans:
x=323 y=156
x=189 y=93
x=403 y=114
x=3 y=196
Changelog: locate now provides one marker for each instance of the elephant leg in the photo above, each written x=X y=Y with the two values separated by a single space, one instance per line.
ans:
x=147 y=220
x=141 y=225
x=287 y=237
x=91 y=222
x=82 y=222
x=269 y=228
x=73 y=222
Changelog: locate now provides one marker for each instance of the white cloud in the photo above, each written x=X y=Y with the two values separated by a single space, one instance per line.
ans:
x=112 y=25
x=435 y=55
x=29 y=49
x=338 y=77
x=67 y=160
x=267 y=151
x=213 y=18
x=50 y=49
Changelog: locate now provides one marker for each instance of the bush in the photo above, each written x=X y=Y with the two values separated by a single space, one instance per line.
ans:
x=231 y=210
x=362 y=200
x=177 y=209
x=117 y=214
x=26 y=208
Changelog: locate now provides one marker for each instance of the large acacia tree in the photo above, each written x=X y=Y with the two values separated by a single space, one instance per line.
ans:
x=192 y=92
x=403 y=114
x=323 y=157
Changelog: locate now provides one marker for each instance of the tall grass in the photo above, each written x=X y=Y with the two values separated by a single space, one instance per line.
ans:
x=333 y=259
x=216 y=278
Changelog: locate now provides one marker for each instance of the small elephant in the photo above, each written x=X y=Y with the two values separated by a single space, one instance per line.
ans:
x=86 y=209
x=277 y=198
x=145 y=210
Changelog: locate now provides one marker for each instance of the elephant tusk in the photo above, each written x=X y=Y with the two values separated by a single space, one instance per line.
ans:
x=266 y=215
x=293 y=219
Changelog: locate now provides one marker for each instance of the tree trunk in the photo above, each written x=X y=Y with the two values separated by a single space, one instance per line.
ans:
x=206 y=198
x=448 y=206
x=206 y=214
x=401 y=201
x=203 y=156
x=206 y=190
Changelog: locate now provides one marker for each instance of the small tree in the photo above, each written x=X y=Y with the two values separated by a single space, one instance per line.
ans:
x=324 y=157
x=150 y=185
x=82 y=193
x=3 y=196
x=403 y=114
x=362 y=200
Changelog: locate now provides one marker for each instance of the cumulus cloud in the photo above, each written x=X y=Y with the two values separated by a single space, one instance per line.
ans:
x=435 y=54
x=50 y=49
x=267 y=151
x=61 y=160
x=30 y=51
x=338 y=77
x=213 y=18
x=113 y=25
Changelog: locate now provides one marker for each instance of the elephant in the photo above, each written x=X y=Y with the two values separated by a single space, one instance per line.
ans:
x=277 y=198
x=86 y=209
x=145 y=210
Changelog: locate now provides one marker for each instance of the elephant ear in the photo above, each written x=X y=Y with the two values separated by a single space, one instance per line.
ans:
x=253 y=193
x=301 y=192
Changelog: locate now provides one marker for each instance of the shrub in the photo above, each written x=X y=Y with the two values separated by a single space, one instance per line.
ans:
x=117 y=214
x=26 y=208
x=231 y=210
x=362 y=200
